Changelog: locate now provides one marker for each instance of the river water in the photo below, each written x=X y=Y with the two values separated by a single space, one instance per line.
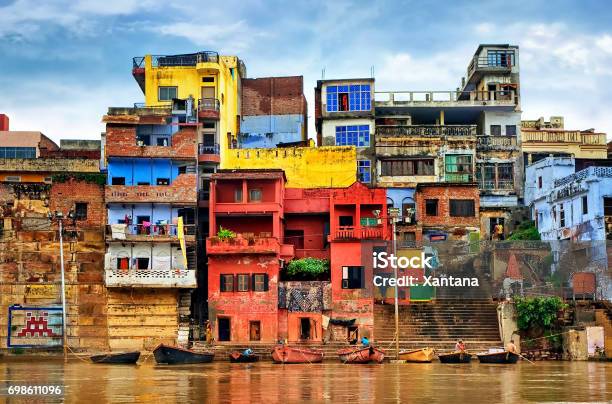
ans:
x=311 y=383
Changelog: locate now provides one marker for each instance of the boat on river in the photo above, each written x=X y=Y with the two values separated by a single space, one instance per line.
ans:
x=421 y=355
x=364 y=354
x=455 y=357
x=118 y=358
x=241 y=357
x=172 y=355
x=287 y=354
x=503 y=357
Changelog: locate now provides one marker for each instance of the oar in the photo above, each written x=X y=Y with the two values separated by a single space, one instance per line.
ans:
x=533 y=363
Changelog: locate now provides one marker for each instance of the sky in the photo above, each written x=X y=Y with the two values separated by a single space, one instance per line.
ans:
x=64 y=62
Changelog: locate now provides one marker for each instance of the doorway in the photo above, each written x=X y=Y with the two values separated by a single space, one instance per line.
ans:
x=304 y=328
x=255 y=330
x=224 y=329
x=208 y=92
x=494 y=221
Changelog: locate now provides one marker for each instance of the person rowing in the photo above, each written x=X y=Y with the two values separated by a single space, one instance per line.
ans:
x=460 y=346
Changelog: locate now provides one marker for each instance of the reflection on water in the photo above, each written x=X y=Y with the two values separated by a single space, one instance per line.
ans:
x=239 y=383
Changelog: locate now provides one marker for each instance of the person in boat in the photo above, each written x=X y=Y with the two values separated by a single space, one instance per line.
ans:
x=209 y=337
x=247 y=352
x=510 y=347
x=353 y=337
x=365 y=341
x=460 y=346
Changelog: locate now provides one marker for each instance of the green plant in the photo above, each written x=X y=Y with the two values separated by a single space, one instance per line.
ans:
x=308 y=267
x=225 y=234
x=92 y=178
x=537 y=312
x=525 y=231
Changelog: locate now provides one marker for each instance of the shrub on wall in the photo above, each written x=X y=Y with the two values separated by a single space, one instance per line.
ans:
x=92 y=178
x=307 y=268
x=525 y=231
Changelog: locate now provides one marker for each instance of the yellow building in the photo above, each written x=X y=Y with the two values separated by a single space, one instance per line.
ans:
x=305 y=167
x=540 y=139
x=211 y=80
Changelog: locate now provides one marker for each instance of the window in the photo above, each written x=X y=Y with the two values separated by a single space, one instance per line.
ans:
x=182 y=170
x=354 y=135
x=353 y=278
x=163 y=181
x=143 y=183
x=510 y=130
x=462 y=208
x=208 y=79
x=118 y=181
x=345 y=220
x=163 y=141
x=17 y=152
x=561 y=215
x=500 y=58
x=243 y=282
x=458 y=167
x=226 y=283
x=260 y=282
x=431 y=207
x=255 y=195
x=363 y=171
x=166 y=93
x=585 y=205
x=407 y=167
x=540 y=182
x=238 y=195
x=123 y=263
x=505 y=176
x=495 y=130
x=80 y=211
x=142 y=263
x=354 y=97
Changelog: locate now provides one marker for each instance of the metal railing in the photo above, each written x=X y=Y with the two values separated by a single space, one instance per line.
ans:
x=503 y=61
x=465 y=97
x=185 y=60
x=208 y=104
x=138 y=62
x=426 y=130
x=496 y=185
x=208 y=149
x=603 y=172
x=562 y=136
x=169 y=230
x=495 y=142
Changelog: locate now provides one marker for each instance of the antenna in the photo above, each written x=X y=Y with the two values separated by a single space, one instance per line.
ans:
x=323 y=74
x=372 y=72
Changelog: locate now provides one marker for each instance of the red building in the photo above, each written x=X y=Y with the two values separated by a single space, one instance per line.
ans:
x=251 y=298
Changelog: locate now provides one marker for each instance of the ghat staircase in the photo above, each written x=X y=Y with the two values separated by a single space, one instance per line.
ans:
x=439 y=324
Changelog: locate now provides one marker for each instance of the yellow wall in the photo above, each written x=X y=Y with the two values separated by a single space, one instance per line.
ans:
x=305 y=167
x=188 y=79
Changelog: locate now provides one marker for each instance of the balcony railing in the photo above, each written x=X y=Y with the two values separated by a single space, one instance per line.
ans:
x=362 y=232
x=208 y=149
x=186 y=60
x=243 y=245
x=499 y=62
x=311 y=253
x=150 y=231
x=493 y=185
x=563 y=136
x=497 y=142
x=159 y=278
x=426 y=130
x=601 y=172
x=208 y=104
x=446 y=98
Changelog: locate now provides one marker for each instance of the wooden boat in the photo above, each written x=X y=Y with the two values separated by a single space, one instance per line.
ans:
x=287 y=354
x=503 y=357
x=172 y=355
x=455 y=357
x=361 y=355
x=422 y=355
x=123 y=358
x=239 y=357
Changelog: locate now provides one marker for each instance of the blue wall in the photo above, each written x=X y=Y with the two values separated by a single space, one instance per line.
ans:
x=266 y=131
x=141 y=170
x=398 y=195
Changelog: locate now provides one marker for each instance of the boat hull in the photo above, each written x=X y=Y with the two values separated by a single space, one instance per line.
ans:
x=286 y=354
x=170 y=355
x=498 y=358
x=238 y=357
x=455 y=357
x=423 y=355
x=361 y=355
x=123 y=358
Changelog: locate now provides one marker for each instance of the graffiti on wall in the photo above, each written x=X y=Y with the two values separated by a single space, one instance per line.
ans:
x=34 y=327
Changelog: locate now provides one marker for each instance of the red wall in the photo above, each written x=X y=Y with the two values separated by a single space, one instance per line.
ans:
x=313 y=227
x=242 y=307
x=243 y=224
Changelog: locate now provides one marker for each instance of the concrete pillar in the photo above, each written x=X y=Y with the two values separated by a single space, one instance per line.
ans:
x=442 y=117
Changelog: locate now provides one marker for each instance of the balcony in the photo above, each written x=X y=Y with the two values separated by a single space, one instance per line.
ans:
x=426 y=130
x=595 y=172
x=152 y=233
x=503 y=63
x=208 y=108
x=181 y=191
x=141 y=109
x=499 y=185
x=563 y=136
x=446 y=99
x=358 y=233
x=497 y=143
x=184 y=60
x=243 y=245
x=150 y=278
x=208 y=153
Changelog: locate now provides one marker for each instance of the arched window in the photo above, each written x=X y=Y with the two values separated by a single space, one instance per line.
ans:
x=390 y=203
x=408 y=210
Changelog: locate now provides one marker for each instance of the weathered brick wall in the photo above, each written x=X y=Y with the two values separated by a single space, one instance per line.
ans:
x=64 y=196
x=273 y=96
x=444 y=193
x=121 y=142
x=182 y=190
